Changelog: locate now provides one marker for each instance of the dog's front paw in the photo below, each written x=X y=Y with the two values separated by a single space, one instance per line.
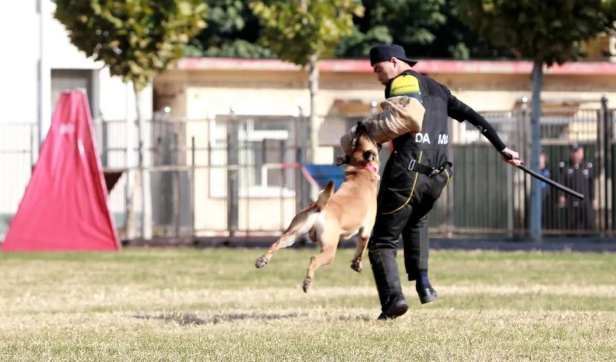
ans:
x=261 y=262
x=356 y=265
x=307 y=284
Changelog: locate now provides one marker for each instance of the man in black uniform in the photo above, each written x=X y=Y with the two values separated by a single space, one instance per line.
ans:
x=414 y=177
x=579 y=176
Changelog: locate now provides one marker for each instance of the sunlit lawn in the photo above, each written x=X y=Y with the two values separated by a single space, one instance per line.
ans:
x=213 y=305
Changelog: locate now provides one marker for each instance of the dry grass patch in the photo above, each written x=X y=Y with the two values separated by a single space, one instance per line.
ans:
x=212 y=305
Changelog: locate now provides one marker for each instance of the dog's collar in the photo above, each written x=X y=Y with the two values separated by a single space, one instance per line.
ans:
x=370 y=167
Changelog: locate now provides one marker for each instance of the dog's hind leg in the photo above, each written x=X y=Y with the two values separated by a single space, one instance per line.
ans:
x=328 y=252
x=300 y=225
x=362 y=242
x=285 y=240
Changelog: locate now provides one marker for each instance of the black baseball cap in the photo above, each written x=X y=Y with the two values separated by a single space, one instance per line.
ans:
x=576 y=146
x=384 y=52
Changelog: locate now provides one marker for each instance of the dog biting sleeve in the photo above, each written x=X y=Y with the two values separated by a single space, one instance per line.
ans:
x=400 y=115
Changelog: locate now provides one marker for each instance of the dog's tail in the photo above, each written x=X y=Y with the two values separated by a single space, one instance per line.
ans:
x=324 y=196
x=303 y=222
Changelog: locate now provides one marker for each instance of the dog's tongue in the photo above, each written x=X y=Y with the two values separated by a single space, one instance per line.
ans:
x=370 y=167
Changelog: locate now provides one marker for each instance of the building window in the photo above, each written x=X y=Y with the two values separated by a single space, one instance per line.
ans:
x=67 y=79
x=266 y=151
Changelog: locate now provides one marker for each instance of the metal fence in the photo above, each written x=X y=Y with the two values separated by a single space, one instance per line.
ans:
x=242 y=175
x=233 y=175
x=18 y=153
x=490 y=197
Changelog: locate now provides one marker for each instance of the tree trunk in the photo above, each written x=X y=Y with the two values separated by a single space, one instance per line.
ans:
x=313 y=80
x=146 y=201
x=131 y=229
x=535 y=121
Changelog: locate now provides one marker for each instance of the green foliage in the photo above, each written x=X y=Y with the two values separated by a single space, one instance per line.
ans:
x=548 y=31
x=358 y=44
x=295 y=30
x=233 y=31
x=404 y=22
x=410 y=21
x=610 y=13
x=428 y=28
x=425 y=28
x=454 y=39
x=610 y=8
x=134 y=38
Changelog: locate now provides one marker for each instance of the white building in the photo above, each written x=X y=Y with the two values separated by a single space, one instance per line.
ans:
x=37 y=64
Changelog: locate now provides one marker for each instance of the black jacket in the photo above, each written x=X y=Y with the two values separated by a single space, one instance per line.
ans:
x=431 y=143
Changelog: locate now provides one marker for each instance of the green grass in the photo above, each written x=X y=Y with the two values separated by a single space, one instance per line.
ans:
x=213 y=305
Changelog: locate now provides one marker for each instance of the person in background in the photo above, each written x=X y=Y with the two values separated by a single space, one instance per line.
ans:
x=579 y=176
x=548 y=213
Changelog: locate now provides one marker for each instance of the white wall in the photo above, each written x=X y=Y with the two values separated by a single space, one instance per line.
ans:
x=116 y=98
x=20 y=52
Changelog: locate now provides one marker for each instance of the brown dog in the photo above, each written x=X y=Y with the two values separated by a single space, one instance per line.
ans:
x=350 y=210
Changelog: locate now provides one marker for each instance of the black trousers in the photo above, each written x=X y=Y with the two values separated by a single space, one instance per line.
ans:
x=402 y=210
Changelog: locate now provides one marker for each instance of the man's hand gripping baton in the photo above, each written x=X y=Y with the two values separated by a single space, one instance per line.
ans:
x=547 y=180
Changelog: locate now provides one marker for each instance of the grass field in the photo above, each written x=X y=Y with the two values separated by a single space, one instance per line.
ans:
x=213 y=305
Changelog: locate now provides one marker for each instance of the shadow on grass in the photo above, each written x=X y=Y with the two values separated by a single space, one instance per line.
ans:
x=185 y=319
x=192 y=319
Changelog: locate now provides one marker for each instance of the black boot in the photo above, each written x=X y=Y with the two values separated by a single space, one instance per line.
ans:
x=395 y=306
x=426 y=294
x=387 y=281
x=416 y=251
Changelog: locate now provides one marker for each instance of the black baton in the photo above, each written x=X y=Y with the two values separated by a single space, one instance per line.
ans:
x=547 y=180
x=551 y=182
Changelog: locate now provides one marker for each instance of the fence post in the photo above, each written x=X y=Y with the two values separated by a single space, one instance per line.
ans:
x=509 y=202
x=305 y=190
x=600 y=170
x=177 y=191
x=129 y=204
x=535 y=146
x=298 y=160
x=607 y=139
x=282 y=182
x=211 y=127
x=232 y=187
x=247 y=172
x=449 y=227
x=192 y=186
x=32 y=138
x=105 y=145
x=142 y=185
x=524 y=145
x=144 y=163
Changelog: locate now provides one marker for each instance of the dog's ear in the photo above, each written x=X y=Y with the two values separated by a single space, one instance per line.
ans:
x=370 y=156
x=341 y=160
x=360 y=130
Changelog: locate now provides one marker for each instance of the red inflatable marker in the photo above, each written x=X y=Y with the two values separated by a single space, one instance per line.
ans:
x=65 y=206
